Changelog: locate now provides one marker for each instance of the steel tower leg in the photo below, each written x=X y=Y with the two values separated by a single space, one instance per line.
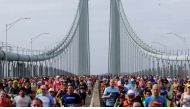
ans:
x=84 y=56
x=114 y=42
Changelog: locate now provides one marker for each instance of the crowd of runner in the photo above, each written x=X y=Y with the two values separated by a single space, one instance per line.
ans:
x=117 y=91
x=145 y=91
x=59 y=91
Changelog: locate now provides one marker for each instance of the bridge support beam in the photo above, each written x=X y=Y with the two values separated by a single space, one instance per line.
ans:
x=114 y=41
x=84 y=51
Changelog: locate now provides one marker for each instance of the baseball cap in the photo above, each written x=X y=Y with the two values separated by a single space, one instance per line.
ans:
x=120 y=77
x=39 y=83
x=131 y=92
x=57 y=76
x=132 y=79
x=119 y=83
x=62 y=80
x=51 y=90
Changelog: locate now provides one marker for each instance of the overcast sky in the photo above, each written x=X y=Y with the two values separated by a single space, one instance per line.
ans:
x=151 y=20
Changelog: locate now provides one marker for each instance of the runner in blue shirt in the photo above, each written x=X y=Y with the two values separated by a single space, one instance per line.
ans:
x=155 y=100
x=71 y=99
x=110 y=94
x=45 y=97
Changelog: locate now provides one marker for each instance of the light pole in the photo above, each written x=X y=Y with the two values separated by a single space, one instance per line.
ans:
x=31 y=40
x=7 y=27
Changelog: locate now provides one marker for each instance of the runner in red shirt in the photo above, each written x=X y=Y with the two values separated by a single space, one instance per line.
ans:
x=57 y=84
x=4 y=101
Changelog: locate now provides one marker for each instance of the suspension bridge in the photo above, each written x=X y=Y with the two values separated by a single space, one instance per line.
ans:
x=128 y=54
x=71 y=56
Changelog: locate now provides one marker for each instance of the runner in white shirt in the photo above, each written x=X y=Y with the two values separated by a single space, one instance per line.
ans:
x=22 y=100
x=185 y=97
x=90 y=85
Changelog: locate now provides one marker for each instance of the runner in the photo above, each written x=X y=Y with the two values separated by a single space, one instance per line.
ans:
x=83 y=89
x=128 y=102
x=4 y=101
x=110 y=94
x=90 y=86
x=36 y=102
x=52 y=94
x=45 y=97
x=137 y=104
x=7 y=88
x=155 y=100
x=22 y=100
x=71 y=99
x=57 y=83
x=14 y=90
x=185 y=97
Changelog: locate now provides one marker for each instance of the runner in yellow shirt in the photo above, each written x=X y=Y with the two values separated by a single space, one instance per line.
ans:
x=175 y=84
x=188 y=83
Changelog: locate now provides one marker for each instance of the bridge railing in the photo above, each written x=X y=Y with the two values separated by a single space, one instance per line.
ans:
x=19 y=50
x=95 y=101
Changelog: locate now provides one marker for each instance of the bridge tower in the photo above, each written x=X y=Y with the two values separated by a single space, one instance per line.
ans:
x=114 y=38
x=84 y=50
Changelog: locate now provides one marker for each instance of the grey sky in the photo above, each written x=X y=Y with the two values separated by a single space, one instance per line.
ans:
x=151 y=20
